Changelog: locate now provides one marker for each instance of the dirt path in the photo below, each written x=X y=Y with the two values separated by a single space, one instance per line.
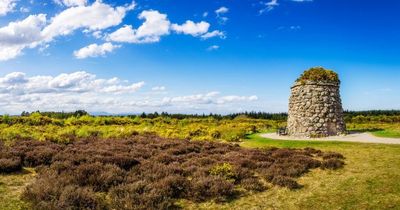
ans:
x=355 y=137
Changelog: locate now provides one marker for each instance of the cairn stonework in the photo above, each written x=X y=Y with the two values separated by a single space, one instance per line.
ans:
x=315 y=109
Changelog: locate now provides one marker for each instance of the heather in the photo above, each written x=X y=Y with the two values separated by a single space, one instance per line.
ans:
x=149 y=172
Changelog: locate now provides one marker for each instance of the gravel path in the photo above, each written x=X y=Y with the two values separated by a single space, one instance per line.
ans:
x=354 y=137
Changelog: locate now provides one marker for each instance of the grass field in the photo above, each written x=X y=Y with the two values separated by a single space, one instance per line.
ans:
x=369 y=180
x=387 y=133
x=388 y=130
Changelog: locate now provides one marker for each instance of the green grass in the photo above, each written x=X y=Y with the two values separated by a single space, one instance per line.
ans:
x=11 y=187
x=387 y=130
x=369 y=180
x=387 y=133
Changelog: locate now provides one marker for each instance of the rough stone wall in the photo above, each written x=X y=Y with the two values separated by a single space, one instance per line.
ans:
x=315 y=110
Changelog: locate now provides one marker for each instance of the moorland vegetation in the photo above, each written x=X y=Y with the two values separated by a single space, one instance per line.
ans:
x=176 y=160
x=148 y=172
x=65 y=127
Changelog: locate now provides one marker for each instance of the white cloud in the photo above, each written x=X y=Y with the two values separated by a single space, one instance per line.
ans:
x=34 y=31
x=191 y=28
x=158 y=88
x=95 y=17
x=13 y=78
x=17 y=83
x=215 y=33
x=123 y=88
x=213 y=47
x=24 y=9
x=95 y=50
x=154 y=26
x=208 y=98
x=221 y=10
x=83 y=90
x=19 y=35
x=269 y=6
x=7 y=6
x=71 y=3
x=205 y=14
x=97 y=34
x=37 y=30
x=234 y=99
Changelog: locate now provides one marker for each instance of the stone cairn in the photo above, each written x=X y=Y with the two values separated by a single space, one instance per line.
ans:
x=315 y=107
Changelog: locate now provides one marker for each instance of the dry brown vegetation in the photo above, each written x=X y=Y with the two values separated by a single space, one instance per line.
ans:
x=147 y=172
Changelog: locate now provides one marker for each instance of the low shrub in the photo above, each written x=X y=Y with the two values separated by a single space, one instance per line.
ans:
x=205 y=188
x=253 y=184
x=330 y=155
x=9 y=162
x=284 y=181
x=148 y=172
x=8 y=165
x=332 y=163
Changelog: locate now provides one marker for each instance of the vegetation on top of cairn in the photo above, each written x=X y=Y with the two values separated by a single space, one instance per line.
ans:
x=318 y=74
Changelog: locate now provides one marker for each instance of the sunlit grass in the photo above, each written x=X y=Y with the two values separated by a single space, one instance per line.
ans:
x=387 y=133
x=387 y=130
x=11 y=187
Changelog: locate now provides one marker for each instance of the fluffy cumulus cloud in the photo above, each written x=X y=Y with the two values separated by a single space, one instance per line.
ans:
x=17 y=83
x=7 y=6
x=156 y=25
x=71 y=3
x=95 y=50
x=192 y=28
x=19 y=35
x=94 y=17
x=83 y=90
x=37 y=30
x=41 y=30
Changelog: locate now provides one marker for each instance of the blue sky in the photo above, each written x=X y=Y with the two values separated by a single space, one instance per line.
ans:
x=193 y=56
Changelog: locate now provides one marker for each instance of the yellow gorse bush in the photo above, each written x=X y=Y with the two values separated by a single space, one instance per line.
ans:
x=64 y=130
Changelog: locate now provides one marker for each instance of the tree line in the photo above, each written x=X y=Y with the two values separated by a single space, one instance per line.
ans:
x=350 y=116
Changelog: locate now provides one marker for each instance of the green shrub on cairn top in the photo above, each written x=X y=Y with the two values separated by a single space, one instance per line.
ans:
x=319 y=74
